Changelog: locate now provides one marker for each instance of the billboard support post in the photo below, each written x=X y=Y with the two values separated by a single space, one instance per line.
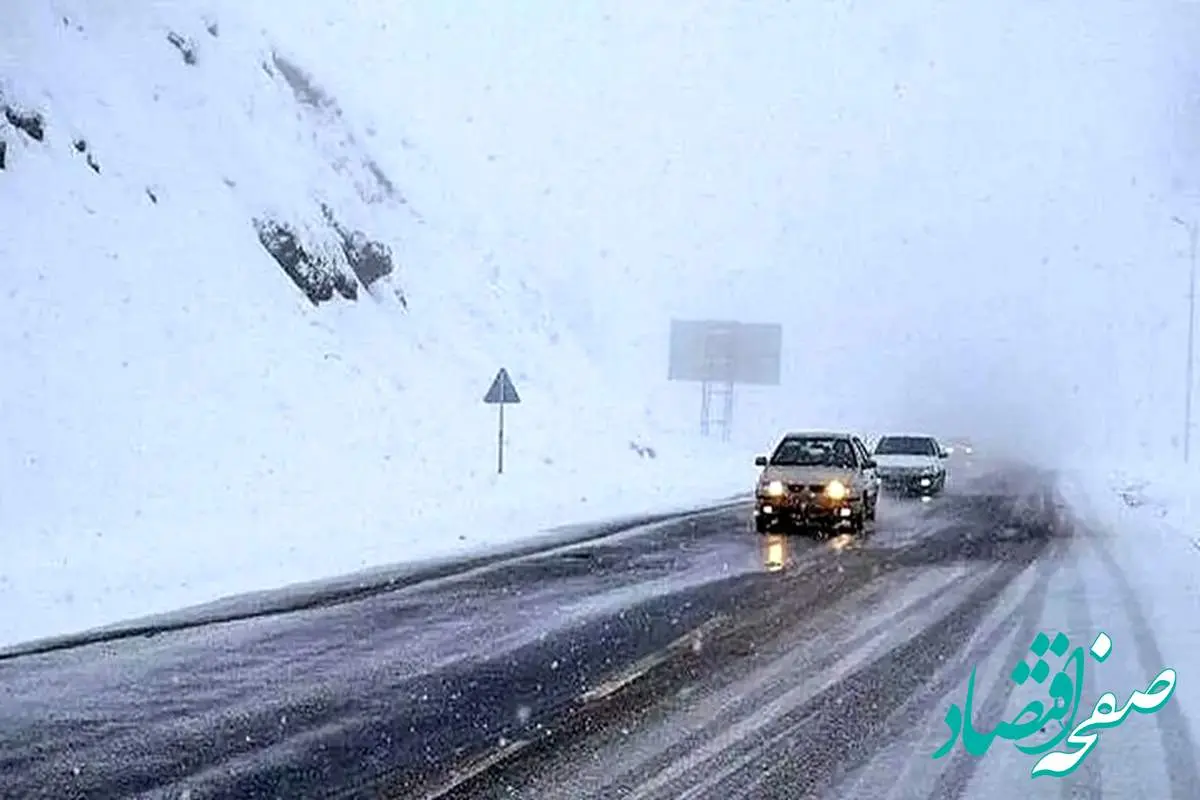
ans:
x=720 y=355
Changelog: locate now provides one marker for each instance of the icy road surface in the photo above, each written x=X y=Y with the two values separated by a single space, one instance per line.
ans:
x=690 y=659
x=834 y=681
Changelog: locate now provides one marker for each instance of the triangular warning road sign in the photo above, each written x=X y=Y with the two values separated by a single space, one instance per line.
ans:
x=502 y=390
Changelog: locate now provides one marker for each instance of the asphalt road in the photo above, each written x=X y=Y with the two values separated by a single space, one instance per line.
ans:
x=693 y=659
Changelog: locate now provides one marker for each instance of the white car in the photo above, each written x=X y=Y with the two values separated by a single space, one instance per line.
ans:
x=960 y=447
x=911 y=464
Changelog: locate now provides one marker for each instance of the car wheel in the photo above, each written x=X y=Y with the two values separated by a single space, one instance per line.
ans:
x=872 y=507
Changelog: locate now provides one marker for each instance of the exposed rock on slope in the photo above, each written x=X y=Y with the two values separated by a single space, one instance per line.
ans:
x=317 y=275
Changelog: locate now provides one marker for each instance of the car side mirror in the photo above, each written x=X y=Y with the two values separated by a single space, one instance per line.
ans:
x=760 y=461
x=943 y=454
x=870 y=463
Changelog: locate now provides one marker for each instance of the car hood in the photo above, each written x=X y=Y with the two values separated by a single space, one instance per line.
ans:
x=807 y=474
x=906 y=462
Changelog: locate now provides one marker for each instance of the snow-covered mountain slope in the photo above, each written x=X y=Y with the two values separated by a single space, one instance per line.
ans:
x=244 y=341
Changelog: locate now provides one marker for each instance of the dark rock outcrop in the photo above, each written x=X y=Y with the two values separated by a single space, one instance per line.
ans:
x=369 y=259
x=81 y=146
x=643 y=450
x=184 y=46
x=30 y=123
x=316 y=276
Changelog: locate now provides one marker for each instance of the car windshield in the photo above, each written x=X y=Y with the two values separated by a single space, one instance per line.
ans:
x=906 y=446
x=814 y=451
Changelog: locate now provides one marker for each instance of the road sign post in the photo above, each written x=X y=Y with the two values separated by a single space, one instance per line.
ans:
x=501 y=394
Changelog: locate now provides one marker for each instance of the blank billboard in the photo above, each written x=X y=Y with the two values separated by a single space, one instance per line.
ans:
x=725 y=352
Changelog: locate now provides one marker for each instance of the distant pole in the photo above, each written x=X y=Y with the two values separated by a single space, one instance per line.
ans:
x=500 y=444
x=729 y=389
x=1191 y=346
x=1193 y=233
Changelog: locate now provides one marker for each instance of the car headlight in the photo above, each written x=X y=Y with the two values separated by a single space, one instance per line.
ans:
x=836 y=490
x=774 y=489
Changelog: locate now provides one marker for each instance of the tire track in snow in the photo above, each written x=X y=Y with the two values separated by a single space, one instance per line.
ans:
x=1179 y=748
x=746 y=703
x=1086 y=783
x=906 y=764
x=881 y=689
x=1027 y=621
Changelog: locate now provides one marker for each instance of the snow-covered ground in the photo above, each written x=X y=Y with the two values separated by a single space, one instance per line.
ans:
x=1136 y=576
x=1149 y=516
x=178 y=422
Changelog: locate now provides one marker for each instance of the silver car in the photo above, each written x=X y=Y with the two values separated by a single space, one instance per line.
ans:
x=816 y=481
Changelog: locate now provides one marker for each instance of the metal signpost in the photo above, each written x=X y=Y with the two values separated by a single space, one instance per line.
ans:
x=719 y=355
x=1193 y=230
x=501 y=394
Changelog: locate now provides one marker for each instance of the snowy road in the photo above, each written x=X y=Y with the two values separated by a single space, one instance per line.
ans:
x=836 y=680
x=679 y=661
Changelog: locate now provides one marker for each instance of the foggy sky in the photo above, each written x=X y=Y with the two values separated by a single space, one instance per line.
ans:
x=959 y=212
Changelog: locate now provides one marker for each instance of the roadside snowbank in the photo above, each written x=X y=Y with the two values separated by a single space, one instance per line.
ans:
x=1143 y=519
x=1139 y=496
x=79 y=583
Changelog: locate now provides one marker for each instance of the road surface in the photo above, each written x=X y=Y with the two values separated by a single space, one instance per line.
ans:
x=692 y=659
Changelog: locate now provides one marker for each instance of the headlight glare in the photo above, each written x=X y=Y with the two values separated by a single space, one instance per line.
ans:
x=775 y=489
x=836 y=490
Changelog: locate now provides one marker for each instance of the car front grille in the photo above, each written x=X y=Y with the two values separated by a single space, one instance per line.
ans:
x=907 y=478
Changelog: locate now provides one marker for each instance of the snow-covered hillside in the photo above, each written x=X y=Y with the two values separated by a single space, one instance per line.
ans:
x=244 y=339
